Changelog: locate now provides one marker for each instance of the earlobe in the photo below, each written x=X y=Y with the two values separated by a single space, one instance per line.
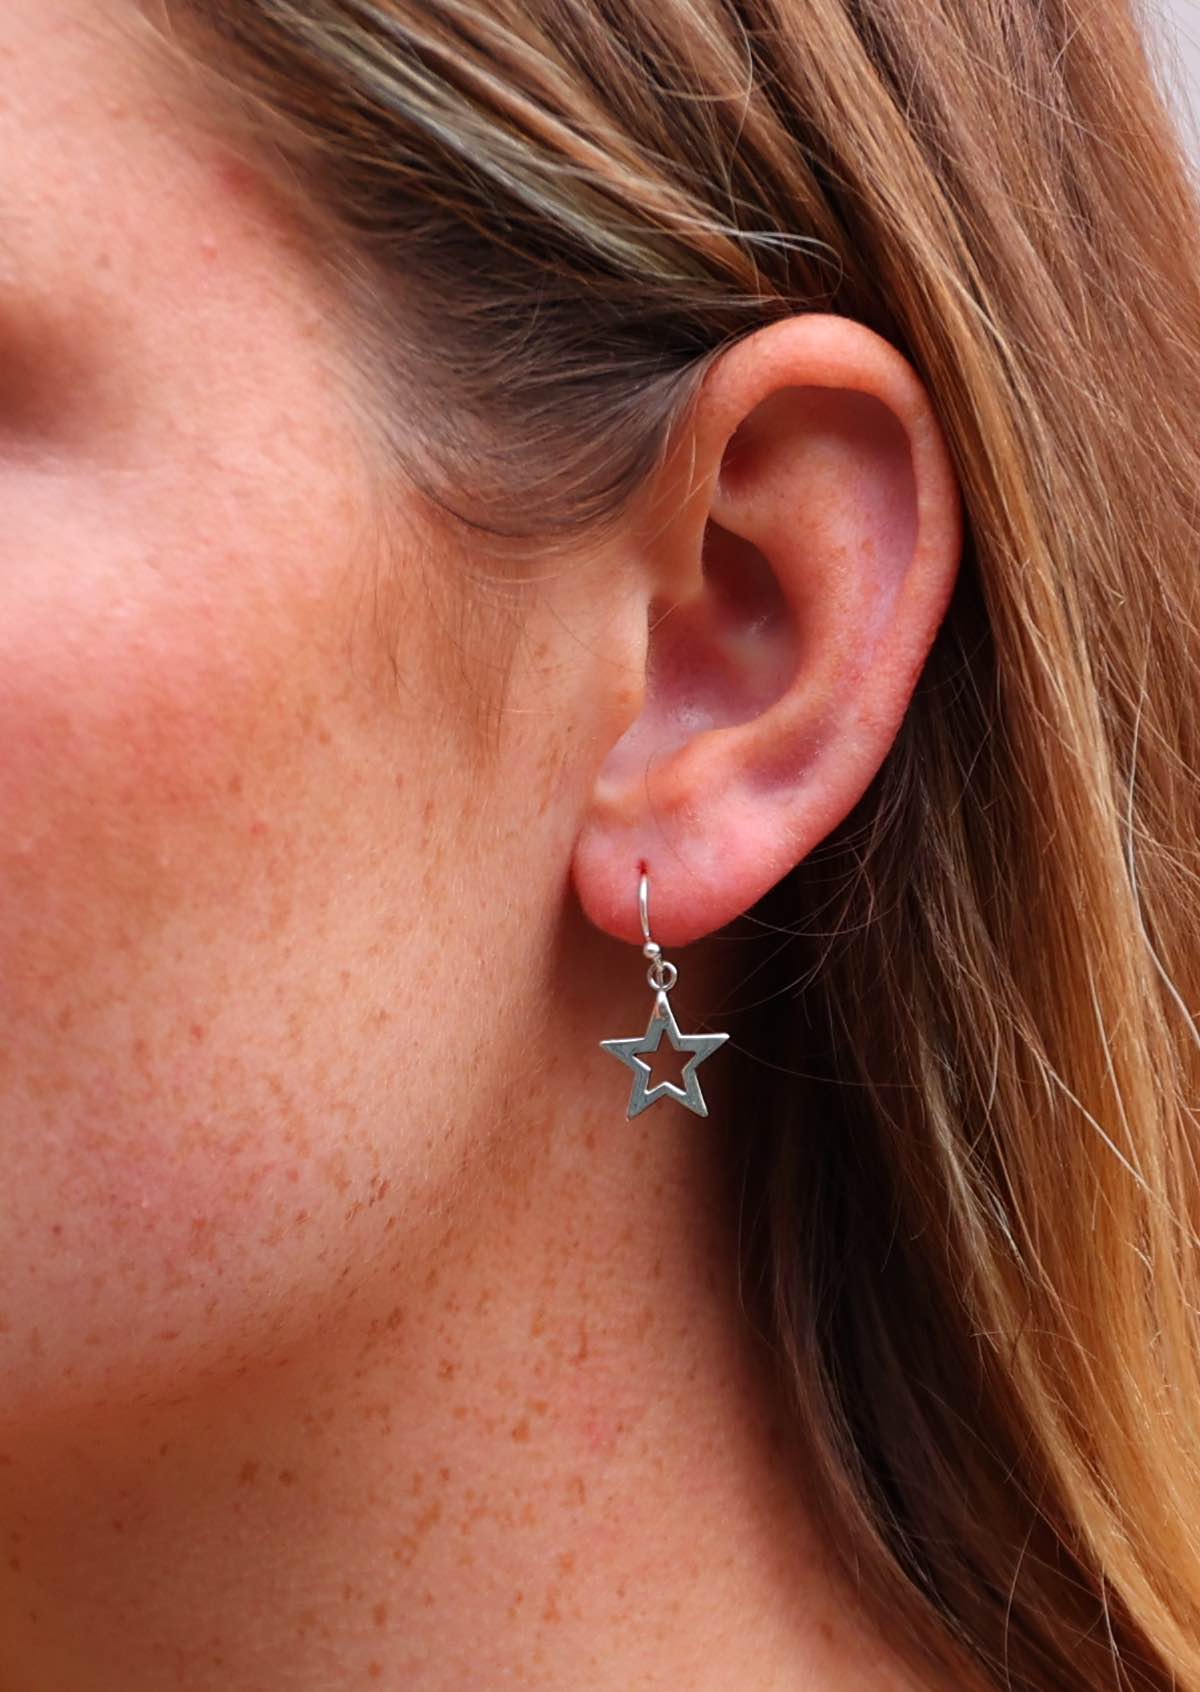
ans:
x=802 y=608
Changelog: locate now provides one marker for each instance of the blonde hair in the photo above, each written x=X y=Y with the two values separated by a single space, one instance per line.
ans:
x=968 y=1161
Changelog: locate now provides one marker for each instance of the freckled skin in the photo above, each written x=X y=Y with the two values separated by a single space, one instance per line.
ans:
x=214 y=974
x=345 y=1323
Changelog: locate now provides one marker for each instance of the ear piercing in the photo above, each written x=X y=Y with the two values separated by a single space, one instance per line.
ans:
x=661 y=976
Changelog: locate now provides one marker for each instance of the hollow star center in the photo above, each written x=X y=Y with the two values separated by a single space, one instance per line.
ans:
x=666 y=1064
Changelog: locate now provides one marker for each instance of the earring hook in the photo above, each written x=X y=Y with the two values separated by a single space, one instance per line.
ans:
x=661 y=975
x=644 y=909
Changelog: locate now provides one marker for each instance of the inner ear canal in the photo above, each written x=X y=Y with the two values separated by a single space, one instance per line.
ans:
x=726 y=655
x=717 y=659
x=750 y=616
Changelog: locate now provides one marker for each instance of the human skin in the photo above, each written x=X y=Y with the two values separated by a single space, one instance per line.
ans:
x=349 y=1334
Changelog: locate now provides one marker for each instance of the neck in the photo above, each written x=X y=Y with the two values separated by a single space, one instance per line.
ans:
x=546 y=1454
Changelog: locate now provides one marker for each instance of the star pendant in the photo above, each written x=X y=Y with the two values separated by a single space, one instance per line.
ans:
x=700 y=1045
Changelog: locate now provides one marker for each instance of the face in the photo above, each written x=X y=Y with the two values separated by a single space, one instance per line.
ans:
x=270 y=939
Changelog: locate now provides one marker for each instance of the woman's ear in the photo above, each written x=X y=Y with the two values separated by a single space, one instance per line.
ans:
x=803 y=539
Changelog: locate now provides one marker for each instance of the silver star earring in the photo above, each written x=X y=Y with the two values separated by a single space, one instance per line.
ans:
x=662 y=977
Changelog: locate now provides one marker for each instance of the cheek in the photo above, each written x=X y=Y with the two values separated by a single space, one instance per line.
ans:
x=196 y=795
x=218 y=810
x=148 y=687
